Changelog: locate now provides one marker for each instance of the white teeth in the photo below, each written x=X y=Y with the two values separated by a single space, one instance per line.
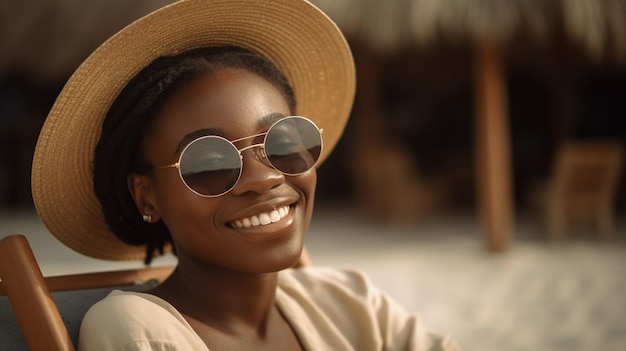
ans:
x=262 y=218
x=255 y=221
x=282 y=211
x=265 y=218
x=275 y=216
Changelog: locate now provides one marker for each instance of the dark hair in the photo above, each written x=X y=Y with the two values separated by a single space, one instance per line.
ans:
x=129 y=119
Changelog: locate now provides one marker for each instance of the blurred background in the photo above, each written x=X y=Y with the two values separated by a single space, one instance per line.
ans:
x=479 y=181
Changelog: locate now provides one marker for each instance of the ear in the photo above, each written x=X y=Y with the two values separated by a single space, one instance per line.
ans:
x=141 y=189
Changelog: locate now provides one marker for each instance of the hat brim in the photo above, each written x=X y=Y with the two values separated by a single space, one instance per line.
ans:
x=303 y=42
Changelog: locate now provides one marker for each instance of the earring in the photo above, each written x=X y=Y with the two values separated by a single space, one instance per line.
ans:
x=147 y=218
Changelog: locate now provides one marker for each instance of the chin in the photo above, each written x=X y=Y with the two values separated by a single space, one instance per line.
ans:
x=278 y=260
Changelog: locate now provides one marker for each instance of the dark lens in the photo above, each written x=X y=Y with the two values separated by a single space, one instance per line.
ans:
x=210 y=165
x=293 y=145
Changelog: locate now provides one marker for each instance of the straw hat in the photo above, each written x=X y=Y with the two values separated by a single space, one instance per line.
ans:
x=303 y=42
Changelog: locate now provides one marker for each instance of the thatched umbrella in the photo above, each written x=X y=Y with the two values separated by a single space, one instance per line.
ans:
x=47 y=40
x=41 y=43
x=599 y=26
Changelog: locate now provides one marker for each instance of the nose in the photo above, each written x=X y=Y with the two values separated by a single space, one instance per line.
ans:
x=257 y=174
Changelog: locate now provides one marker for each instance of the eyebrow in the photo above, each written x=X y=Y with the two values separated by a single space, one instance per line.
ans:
x=189 y=137
x=265 y=122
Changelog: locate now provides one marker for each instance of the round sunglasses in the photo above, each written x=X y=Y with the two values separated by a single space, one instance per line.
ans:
x=211 y=165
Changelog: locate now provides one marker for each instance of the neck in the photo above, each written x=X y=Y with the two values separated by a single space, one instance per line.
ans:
x=225 y=300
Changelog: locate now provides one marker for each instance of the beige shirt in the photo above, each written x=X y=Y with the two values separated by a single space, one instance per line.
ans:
x=328 y=309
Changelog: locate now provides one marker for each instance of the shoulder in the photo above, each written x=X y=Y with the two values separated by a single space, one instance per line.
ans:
x=131 y=307
x=134 y=321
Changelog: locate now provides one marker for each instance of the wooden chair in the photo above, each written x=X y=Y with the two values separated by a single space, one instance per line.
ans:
x=49 y=310
x=35 y=307
x=582 y=186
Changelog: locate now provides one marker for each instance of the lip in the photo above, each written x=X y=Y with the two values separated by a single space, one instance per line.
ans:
x=271 y=231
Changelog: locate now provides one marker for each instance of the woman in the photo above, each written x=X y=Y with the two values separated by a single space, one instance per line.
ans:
x=198 y=129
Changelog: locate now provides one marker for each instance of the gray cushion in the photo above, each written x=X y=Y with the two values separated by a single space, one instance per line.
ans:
x=11 y=338
x=71 y=304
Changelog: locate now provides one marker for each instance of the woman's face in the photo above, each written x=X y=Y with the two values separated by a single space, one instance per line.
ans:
x=233 y=103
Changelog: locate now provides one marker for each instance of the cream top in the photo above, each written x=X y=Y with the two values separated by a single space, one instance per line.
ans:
x=328 y=309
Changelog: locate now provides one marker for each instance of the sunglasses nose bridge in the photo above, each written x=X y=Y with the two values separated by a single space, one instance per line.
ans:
x=258 y=150
x=257 y=174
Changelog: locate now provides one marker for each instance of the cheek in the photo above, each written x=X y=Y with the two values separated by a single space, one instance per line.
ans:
x=190 y=220
x=312 y=180
x=306 y=183
x=177 y=205
x=169 y=187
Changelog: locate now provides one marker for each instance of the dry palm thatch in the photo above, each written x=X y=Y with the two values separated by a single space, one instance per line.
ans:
x=392 y=23
x=479 y=20
x=599 y=26
x=48 y=39
x=381 y=23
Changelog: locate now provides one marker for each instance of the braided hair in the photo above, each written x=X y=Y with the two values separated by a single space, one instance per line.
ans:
x=128 y=121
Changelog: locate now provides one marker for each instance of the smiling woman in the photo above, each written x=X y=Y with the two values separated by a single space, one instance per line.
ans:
x=198 y=129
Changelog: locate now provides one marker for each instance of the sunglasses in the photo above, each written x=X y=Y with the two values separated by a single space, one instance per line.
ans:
x=211 y=166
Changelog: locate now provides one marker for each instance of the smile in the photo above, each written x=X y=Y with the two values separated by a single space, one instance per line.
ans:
x=261 y=219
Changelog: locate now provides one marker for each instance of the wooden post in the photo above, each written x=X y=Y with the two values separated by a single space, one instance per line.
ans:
x=494 y=176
